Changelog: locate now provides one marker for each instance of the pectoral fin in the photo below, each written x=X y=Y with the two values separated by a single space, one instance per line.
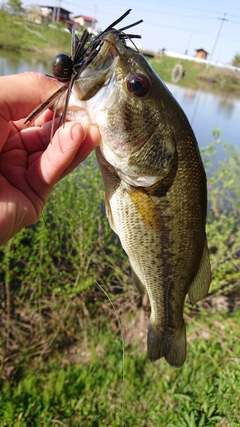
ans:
x=140 y=287
x=145 y=207
x=201 y=282
x=110 y=215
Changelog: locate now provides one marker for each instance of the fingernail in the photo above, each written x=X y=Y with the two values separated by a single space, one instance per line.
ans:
x=77 y=129
x=47 y=126
x=95 y=134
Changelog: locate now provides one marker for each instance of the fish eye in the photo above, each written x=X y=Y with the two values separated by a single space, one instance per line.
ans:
x=138 y=85
x=62 y=67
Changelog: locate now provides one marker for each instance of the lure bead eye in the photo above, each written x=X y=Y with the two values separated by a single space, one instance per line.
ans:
x=138 y=85
x=62 y=66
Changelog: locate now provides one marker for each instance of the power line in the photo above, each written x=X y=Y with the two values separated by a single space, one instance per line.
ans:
x=182 y=6
x=161 y=12
x=234 y=22
x=188 y=30
x=218 y=34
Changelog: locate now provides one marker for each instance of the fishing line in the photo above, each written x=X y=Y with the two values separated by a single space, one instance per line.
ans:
x=115 y=312
x=83 y=51
x=123 y=344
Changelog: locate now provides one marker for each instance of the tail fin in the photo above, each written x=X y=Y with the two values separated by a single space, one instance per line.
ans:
x=171 y=347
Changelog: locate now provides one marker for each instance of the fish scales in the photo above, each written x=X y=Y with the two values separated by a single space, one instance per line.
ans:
x=167 y=248
x=155 y=193
x=156 y=196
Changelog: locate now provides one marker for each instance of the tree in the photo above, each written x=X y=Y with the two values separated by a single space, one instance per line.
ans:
x=15 y=6
x=236 y=60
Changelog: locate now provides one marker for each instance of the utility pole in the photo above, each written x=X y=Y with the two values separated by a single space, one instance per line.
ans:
x=188 y=44
x=58 y=10
x=94 y=16
x=218 y=34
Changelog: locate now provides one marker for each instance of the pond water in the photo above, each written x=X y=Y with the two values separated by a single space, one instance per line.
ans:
x=205 y=110
x=18 y=62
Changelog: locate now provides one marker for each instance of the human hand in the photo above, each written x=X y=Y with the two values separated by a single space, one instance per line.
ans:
x=29 y=164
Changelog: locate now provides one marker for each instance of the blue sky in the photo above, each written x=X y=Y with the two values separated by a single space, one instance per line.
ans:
x=176 y=25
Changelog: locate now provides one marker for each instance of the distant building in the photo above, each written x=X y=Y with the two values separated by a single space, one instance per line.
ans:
x=201 y=54
x=56 y=14
x=161 y=51
x=85 y=21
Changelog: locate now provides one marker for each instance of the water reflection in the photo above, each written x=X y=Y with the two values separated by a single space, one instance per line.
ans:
x=226 y=105
x=205 y=110
x=18 y=62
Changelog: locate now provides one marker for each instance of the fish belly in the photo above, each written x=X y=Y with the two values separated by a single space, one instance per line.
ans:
x=165 y=249
x=146 y=241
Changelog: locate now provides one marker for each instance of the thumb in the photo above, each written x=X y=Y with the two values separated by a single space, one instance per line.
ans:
x=70 y=145
x=61 y=152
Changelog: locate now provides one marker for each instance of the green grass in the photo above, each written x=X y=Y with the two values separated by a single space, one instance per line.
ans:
x=60 y=347
x=163 y=65
x=205 y=392
x=18 y=34
x=196 y=76
x=46 y=42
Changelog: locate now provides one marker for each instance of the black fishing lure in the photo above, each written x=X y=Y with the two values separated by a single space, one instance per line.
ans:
x=67 y=69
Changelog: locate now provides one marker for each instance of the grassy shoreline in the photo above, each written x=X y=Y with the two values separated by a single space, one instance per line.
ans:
x=50 y=40
x=197 y=76
x=61 y=351
x=16 y=34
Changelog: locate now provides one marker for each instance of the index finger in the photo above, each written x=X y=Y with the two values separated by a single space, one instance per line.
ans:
x=21 y=93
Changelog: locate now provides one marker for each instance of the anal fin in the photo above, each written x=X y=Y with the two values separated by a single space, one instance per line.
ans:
x=201 y=282
x=138 y=284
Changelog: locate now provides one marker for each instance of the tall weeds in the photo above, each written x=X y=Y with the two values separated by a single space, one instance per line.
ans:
x=48 y=272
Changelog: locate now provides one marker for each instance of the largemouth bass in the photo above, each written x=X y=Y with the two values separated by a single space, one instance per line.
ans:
x=155 y=183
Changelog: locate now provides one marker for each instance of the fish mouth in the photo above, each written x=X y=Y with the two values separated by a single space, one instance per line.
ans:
x=98 y=73
x=86 y=90
x=96 y=82
x=91 y=99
